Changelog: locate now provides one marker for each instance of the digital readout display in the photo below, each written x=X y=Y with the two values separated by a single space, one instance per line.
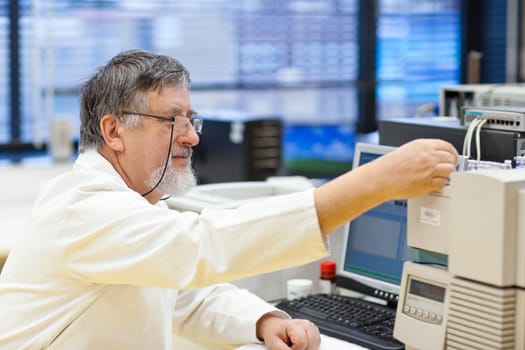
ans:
x=427 y=290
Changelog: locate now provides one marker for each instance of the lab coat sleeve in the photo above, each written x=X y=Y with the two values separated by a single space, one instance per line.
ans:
x=221 y=314
x=120 y=240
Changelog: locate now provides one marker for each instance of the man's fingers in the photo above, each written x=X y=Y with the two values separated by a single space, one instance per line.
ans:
x=314 y=337
x=290 y=334
x=275 y=343
x=305 y=337
x=298 y=337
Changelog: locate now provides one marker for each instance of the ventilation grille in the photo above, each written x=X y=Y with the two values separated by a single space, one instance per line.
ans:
x=480 y=316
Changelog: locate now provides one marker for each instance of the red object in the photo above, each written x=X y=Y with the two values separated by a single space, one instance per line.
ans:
x=328 y=269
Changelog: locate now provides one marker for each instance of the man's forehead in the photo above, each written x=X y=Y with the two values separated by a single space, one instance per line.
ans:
x=172 y=99
x=180 y=111
x=166 y=90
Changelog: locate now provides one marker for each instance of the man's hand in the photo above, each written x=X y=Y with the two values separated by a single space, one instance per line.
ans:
x=282 y=334
x=417 y=167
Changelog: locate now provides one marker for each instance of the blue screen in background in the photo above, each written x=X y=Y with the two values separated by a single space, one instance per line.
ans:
x=319 y=142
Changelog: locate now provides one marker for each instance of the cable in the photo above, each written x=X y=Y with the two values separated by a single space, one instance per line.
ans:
x=471 y=135
x=465 y=141
x=165 y=164
x=468 y=137
x=478 y=143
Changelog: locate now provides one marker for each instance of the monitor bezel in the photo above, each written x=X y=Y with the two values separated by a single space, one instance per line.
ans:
x=355 y=282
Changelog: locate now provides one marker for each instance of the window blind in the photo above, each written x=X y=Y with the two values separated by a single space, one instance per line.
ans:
x=231 y=47
x=419 y=46
x=4 y=73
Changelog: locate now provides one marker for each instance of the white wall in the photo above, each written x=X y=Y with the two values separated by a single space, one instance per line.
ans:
x=19 y=186
x=272 y=286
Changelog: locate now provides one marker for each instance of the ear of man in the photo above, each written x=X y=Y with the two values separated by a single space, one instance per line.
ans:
x=111 y=129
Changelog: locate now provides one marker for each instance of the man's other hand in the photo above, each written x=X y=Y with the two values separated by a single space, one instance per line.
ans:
x=282 y=334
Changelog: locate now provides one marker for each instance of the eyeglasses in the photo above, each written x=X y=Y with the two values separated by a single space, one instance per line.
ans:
x=179 y=122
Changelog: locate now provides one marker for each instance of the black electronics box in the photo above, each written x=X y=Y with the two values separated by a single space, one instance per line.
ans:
x=495 y=145
x=238 y=149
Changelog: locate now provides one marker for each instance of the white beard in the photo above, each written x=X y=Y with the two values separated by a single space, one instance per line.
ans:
x=174 y=183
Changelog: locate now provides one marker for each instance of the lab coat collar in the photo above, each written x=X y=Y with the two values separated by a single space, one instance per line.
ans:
x=94 y=161
x=91 y=160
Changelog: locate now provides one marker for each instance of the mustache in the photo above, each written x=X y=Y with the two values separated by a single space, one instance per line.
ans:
x=182 y=152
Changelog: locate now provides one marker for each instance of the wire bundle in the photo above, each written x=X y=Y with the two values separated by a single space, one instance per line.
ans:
x=473 y=129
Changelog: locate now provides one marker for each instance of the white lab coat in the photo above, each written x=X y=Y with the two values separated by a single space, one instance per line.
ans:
x=101 y=268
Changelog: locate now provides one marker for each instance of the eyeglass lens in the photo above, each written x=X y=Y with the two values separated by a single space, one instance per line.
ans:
x=183 y=123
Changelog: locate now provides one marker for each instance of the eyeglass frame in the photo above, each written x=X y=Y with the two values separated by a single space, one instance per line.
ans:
x=196 y=123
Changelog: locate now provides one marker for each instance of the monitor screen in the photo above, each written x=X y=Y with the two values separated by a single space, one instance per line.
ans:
x=375 y=244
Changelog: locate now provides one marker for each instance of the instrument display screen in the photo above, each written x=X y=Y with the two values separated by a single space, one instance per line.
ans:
x=427 y=290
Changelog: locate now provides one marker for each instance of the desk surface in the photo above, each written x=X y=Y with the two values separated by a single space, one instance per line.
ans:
x=327 y=343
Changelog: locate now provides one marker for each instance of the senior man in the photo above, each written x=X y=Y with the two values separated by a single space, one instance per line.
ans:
x=104 y=264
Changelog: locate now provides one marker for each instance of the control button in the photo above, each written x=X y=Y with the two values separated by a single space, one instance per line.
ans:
x=412 y=310
x=426 y=314
x=406 y=309
x=432 y=316
x=419 y=312
x=439 y=318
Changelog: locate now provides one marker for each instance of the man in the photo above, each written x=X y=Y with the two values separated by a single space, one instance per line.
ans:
x=105 y=265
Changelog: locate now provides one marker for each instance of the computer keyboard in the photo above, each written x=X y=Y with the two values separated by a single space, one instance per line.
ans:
x=351 y=319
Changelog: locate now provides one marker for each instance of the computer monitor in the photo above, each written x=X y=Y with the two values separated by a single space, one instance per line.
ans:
x=375 y=244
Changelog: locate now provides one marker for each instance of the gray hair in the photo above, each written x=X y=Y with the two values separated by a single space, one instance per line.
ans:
x=122 y=84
